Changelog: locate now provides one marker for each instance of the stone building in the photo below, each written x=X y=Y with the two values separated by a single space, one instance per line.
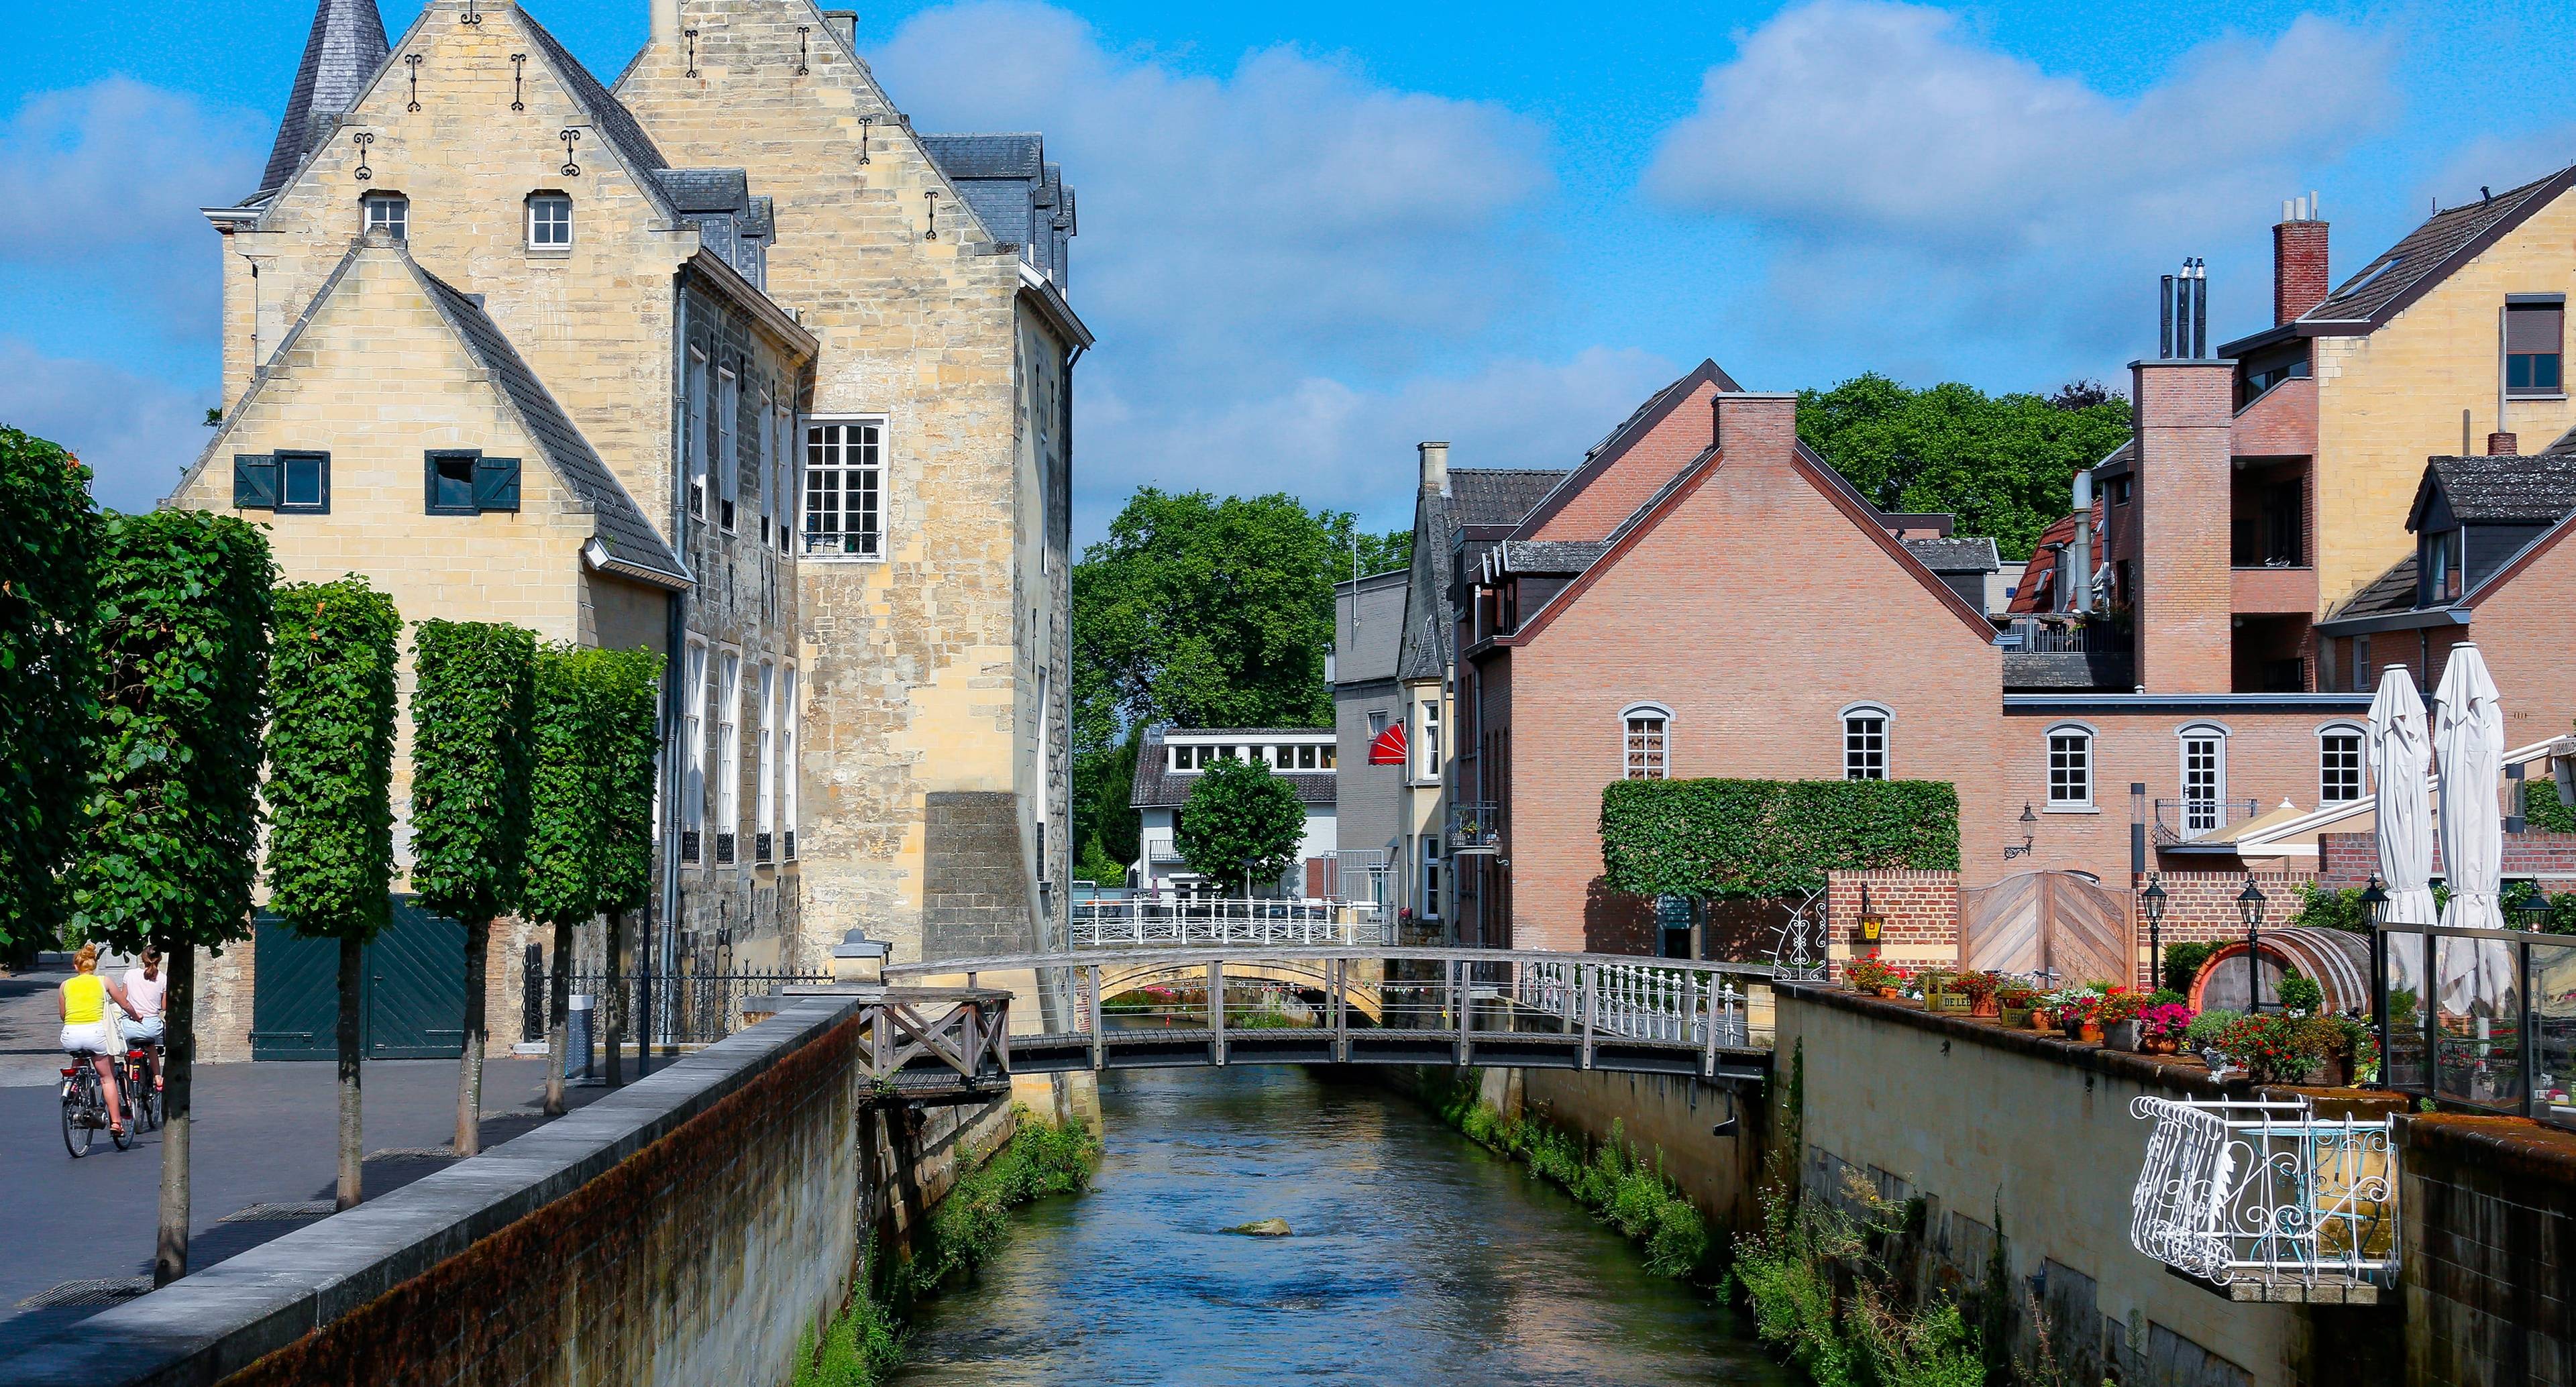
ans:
x=1373 y=784
x=724 y=365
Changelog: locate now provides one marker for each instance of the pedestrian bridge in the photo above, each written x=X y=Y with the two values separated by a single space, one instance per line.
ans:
x=1099 y=1009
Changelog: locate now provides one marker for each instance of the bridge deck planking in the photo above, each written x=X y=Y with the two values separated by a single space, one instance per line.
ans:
x=1181 y=1048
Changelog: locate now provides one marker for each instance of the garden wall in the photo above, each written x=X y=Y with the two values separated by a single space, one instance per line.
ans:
x=2351 y=859
x=2489 y=1251
x=684 y=1230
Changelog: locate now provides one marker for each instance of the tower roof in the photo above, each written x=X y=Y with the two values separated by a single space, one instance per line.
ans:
x=346 y=47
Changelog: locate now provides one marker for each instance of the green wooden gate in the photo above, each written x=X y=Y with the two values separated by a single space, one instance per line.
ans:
x=414 y=986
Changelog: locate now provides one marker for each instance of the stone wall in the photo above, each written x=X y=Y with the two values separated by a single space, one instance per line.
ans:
x=2489 y=1241
x=685 y=1230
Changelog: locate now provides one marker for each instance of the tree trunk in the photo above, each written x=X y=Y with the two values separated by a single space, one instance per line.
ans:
x=558 y=1013
x=178 y=1056
x=469 y=1065
x=353 y=1135
x=613 y=1020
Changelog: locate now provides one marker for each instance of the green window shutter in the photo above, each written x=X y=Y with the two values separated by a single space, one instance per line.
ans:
x=496 y=484
x=254 y=481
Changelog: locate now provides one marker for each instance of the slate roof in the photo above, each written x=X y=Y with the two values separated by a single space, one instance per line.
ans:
x=619 y=523
x=2390 y=593
x=2534 y=489
x=705 y=190
x=1552 y=556
x=1956 y=555
x=341 y=55
x=1020 y=155
x=1157 y=786
x=1497 y=495
x=2427 y=253
x=1368 y=619
x=1018 y=196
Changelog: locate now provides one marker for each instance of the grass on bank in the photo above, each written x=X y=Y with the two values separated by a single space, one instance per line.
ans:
x=1621 y=1187
x=866 y=1340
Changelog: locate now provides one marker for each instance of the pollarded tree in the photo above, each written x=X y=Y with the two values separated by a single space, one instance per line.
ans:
x=473 y=697
x=1240 y=824
x=48 y=547
x=329 y=793
x=625 y=744
x=169 y=831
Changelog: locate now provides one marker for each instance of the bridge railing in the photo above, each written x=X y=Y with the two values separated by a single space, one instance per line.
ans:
x=1226 y=923
x=1643 y=1001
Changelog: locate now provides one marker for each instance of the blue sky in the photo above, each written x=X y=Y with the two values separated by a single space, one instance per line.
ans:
x=1314 y=234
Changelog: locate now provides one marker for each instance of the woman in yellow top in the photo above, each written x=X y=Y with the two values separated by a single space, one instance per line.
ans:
x=87 y=1031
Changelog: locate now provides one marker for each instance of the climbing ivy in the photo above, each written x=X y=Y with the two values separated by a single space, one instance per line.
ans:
x=330 y=758
x=1752 y=839
x=473 y=697
x=48 y=551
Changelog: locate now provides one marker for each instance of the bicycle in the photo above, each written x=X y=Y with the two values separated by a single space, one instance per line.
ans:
x=85 y=1109
x=142 y=1099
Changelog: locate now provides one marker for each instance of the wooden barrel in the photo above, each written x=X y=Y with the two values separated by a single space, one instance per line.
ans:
x=2339 y=962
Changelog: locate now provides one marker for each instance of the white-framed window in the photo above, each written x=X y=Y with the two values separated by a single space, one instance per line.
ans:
x=728 y=460
x=845 y=487
x=549 y=221
x=1426 y=722
x=693 y=728
x=1046 y=732
x=694 y=445
x=387 y=212
x=1647 y=732
x=2070 y=766
x=789 y=722
x=1376 y=723
x=1865 y=742
x=728 y=752
x=765 y=807
x=2204 y=777
x=1430 y=906
x=2339 y=776
x=2361 y=664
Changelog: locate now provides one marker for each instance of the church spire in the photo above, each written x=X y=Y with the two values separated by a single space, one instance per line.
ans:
x=346 y=47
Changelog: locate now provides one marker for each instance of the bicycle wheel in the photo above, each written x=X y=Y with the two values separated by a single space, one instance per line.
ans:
x=148 y=1101
x=77 y=1134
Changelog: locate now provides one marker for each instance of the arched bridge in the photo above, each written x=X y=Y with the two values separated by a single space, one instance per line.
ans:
x=1149 y=1008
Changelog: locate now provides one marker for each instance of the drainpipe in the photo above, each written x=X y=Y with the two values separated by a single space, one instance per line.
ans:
x=2080 y=594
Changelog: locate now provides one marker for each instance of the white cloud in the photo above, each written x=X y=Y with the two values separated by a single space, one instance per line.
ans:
x=135 y=433
x=107 y=178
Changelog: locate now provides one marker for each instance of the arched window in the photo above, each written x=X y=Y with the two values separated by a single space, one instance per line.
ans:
x=387 y=212
x=2339 y=776
x=1865 y=742
x=1648 y=728
x=2070 y=766
x=549 y=221
x=2204 y=777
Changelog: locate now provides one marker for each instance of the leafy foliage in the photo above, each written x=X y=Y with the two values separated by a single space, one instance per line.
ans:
x=1621 y=1186
x=2002 y=464
x=49 y=536
x=1106 y=824
x=2182 y=964
x=591 y=793
x=2542 y=809
x=1752 y=839
x=2324 y=907
x=1240 y=824
x=331 y=758
x=169 y=829
x=2562 y=908
x=1823 y=1294
x=473 y=698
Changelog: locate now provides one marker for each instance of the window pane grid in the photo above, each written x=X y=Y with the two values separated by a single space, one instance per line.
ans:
x=1648 y=745
x=2339 y=767
x=2200 y=784
x=1865 y=747
x=2070 y=768
x=843 y=487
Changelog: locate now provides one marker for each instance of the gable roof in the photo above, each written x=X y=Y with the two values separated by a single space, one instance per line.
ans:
x=2531 y=489
x=1974 y=554
x=2389 y=594
x=1615 y=444
x=1018 y=196
x=341 y=55
x=1498 y=495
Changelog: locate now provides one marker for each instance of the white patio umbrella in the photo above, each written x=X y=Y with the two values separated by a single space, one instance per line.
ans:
x=2468 y=743
x=2401 y=755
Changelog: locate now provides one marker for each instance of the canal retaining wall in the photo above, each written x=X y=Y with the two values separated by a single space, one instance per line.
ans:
x=685 y=1230
x=1669 y=1118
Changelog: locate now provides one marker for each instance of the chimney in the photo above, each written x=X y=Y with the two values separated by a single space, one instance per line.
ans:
x=2299 y=280
x=1435 y=468
x=846 y=24
x=2503 y=445
x=665 y=16
x=2079 y=590
x=2182 y=313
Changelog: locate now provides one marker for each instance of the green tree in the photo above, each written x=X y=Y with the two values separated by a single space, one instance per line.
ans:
x=473 y=696
x=169 y=830
x=2003 y=464
x=1240 y=824
x=1106 y=825
x=330 y=799
x=628 y=696
x=48 y=551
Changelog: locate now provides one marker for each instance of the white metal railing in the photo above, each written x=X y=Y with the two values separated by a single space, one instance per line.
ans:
x=2266 y=1192
x=1221 y=923
x=1639 y=1000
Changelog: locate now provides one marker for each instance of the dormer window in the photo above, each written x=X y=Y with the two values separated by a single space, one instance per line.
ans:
x=2440 y=559
x=2533 y=327
x=549 y=221
x=389 y=213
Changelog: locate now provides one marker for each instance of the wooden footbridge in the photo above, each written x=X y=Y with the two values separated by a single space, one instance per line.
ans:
x=1100 y=1009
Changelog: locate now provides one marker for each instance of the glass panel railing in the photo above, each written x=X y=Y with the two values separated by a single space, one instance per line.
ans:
x=2553 y=1032
x=2402 y=1003
x=2477 y=1033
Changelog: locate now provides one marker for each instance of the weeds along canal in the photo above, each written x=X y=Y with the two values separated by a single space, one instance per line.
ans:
x=1417 y=1257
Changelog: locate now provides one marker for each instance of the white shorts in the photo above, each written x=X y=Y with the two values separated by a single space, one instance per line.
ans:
x=144 y=1032
x=97 y=1037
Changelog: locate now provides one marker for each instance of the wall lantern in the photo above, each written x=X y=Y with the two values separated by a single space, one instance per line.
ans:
x=2029 y=823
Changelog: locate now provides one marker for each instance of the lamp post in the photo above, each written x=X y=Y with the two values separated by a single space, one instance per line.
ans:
x=2249 y=904
x=2151 y=903
x=2374 y=912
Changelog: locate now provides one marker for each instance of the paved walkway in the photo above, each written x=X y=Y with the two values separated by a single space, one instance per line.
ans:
x=264 y=1134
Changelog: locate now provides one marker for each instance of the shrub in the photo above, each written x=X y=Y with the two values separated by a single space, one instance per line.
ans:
x=1620 y=1187
x=2182 y=964
x=1755 y=839
x=2302 y=995
x=2323 y=907
x=2274 y=1049
x=2204 y=1031
x=49 y=534
x=1240 y=824
x=1823 y=1295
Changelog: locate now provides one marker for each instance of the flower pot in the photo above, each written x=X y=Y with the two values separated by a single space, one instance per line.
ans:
x=2042 y=1019
x=2085 y=1032
x=1950 y=1001
x=2158 y=1045
x=2121 y=1035
x=1891 y=993
x=1984 y=1006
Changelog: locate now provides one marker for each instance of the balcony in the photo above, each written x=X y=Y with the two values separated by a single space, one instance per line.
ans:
x=2182 y=820
x=2063 y=651
x=1475 y=828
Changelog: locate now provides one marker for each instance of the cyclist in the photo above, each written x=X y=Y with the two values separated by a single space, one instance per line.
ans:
x=147 y=990
x=87 y=1034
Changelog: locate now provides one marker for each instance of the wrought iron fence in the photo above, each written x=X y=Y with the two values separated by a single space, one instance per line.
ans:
x=1475 y=828
x=2266 y=1192
x=1099 y=923
x=2478 y=1017
x=2179 y=820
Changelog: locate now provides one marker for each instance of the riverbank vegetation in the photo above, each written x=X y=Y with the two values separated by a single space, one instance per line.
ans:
x=865 y=1341
x=1621 y=1186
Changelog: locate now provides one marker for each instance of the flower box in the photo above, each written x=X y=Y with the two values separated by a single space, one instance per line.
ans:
x=1948 y=1001
x=2122 y=1035
x=2013 y=1018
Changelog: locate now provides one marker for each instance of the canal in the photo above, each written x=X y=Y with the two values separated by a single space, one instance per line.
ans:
x=1418 y=1257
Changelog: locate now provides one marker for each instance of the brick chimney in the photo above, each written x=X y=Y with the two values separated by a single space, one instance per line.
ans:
x=2299 y=280
x=2503 y=445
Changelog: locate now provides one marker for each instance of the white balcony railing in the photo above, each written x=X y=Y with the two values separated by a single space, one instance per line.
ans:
x=2266 y=1198
x=1150 y=923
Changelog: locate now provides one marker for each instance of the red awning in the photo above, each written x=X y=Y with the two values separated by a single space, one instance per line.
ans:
x=1388 y=749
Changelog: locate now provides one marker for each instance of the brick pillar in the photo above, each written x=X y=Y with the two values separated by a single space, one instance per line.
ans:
x=2186 y=596
x=2299 y=280
x=1757 y=423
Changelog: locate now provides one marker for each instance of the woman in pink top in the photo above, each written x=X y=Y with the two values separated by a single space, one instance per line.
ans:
x=147 y=989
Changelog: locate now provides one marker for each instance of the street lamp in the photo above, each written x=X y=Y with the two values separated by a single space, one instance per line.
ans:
x=2249 y=904
x=2534 y=910
x=2374 y=902
x=2151 y=903
x=2374 y=911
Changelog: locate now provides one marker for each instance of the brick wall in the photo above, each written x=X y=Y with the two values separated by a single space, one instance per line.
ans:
x=2299 y=279
x=1920 y=911
x=2200 y=907
x=1627 y=480
x=2351 y=859
x=2488 y=1230
x=2185 y=585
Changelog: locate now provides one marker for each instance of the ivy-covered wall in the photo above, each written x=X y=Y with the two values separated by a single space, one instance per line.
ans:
x=1752 y=839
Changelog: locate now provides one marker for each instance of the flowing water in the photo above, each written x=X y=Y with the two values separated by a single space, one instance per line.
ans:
x=1418 y=1257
